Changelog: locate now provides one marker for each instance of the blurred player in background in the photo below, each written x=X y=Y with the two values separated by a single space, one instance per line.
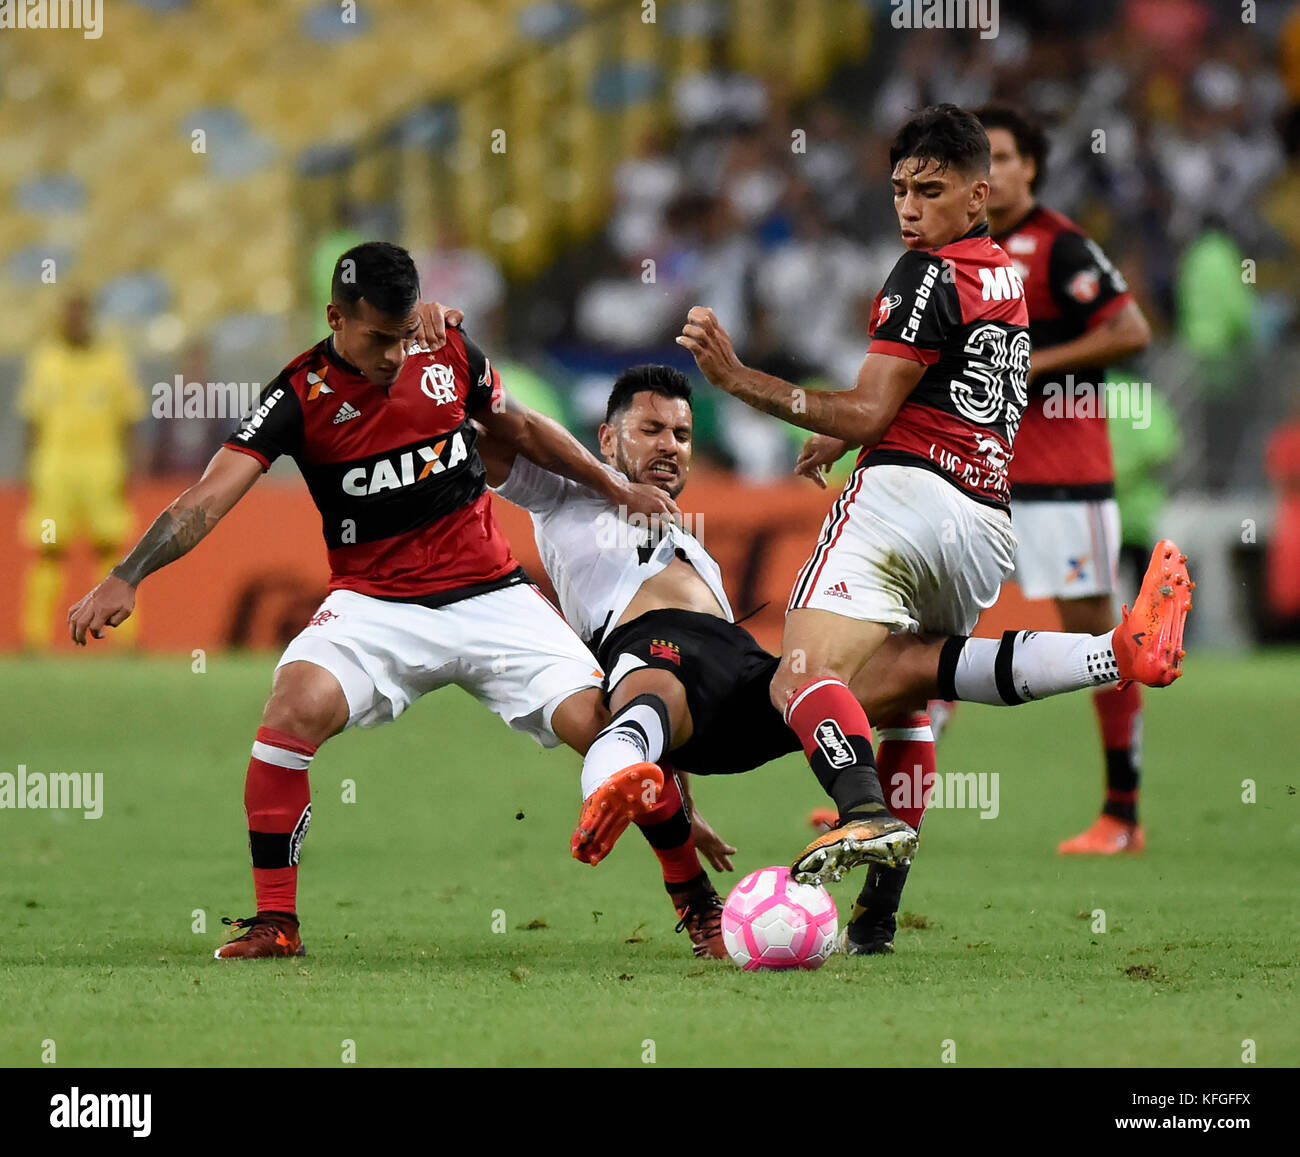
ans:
x=685 y=681
x=424 y=590
x=1081 y=319
x=79 y=401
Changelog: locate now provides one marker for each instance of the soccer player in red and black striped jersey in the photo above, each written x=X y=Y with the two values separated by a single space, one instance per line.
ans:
x=424 y=591
x=1081 y=319
x=920 y=539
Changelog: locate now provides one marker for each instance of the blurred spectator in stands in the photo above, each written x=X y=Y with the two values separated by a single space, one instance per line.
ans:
x=455 y=272
x=183 y=445
x=1141 y=449
x=1282 y=586
x=1290 y=41
x=79 y=399
x=644 y=186
x=1216 y=326
x=344 y=232
x=820 y=285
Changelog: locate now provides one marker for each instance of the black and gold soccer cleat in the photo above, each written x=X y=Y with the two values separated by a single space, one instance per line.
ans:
x=876 y=839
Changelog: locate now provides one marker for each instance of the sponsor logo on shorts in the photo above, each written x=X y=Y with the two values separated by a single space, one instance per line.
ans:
x=833 y=744
x=662 y=649
x=839 y=590
x=320 y=618
x=1078 y=569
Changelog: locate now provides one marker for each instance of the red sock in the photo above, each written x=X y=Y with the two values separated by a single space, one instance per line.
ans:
x=277 y=801
x=667 y=830
x=907 y=766
x=1119 y=711
x=836 y=738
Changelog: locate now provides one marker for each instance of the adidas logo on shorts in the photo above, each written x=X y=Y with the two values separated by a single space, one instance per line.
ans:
x=346 y=414
x=840 y=590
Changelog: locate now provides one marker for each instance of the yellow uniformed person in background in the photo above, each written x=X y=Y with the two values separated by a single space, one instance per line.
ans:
x=79 y=399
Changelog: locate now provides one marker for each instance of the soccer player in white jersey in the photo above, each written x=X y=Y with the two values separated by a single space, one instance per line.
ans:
x=684 y=678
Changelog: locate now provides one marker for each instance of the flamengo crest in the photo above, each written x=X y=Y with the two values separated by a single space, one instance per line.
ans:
x=439 y=383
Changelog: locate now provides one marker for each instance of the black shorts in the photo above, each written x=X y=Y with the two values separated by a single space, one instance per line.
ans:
x=726 y=675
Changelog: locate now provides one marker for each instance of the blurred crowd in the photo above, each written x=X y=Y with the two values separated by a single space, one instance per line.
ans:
x=1169 y=123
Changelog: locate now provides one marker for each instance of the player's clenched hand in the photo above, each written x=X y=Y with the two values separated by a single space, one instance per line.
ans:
x=650 y=501
x=819 y=453
x=109 y=605
x=711 y=845
x=710 y=346
x=434 y=320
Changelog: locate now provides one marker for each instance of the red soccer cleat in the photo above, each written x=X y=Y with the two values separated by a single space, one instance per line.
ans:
x=269 y=934
x=1149 y=642
x=624 y=797
x=1107 y=837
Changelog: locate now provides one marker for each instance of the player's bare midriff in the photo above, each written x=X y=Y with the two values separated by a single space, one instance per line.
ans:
x=678 y=587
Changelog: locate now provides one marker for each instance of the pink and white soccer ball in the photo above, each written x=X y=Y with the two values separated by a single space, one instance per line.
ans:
x=769 y=921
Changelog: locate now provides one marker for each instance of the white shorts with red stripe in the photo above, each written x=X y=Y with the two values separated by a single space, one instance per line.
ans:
x=905 y=548
x=509 y=648
x=1068 y=550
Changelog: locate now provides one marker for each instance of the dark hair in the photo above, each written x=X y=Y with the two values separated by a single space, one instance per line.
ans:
x=381 y=273
x=1031 y=140
x=662 y=380
x=950 y=136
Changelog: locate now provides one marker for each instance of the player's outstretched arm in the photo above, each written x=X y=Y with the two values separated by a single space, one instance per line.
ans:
x=860 y=416
x=176 y=531
x=544 y=441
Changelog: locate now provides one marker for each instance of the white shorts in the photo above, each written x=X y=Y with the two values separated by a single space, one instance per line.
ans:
x=905 y=548
x=1068 y=550
x=509 y=648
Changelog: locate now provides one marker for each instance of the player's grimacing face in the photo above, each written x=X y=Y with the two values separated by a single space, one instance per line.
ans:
x=372 y=341
x=1010 y=173
x=935 y=206
x=650 y=441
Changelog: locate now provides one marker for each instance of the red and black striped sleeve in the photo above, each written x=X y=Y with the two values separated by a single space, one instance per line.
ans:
x=917 y=309
x=274 y=428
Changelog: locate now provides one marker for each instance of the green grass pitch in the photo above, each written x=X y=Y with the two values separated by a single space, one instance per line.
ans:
x=458 y=822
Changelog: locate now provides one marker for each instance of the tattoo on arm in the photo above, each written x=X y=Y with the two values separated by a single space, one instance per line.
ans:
x=174 y=533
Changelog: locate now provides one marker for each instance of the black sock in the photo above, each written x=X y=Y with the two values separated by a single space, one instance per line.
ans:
x=854 y=787
x=1122 y=775
x=877 y=903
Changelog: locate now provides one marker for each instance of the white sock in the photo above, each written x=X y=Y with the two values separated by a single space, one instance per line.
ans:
x=1025 y=665
x=637 y=734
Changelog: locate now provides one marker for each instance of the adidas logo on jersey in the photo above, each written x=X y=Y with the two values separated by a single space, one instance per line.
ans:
x=346 y=414
x=840 y=590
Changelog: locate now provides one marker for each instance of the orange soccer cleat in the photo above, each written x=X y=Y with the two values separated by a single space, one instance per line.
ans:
x=269 y=934
x=1107 y=837
x=1149 y=642
x=822 y=819
x=624 y=797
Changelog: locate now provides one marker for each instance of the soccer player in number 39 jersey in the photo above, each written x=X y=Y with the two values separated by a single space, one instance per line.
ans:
x=424 y=590
x=921 y=538
x=1081 y=319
